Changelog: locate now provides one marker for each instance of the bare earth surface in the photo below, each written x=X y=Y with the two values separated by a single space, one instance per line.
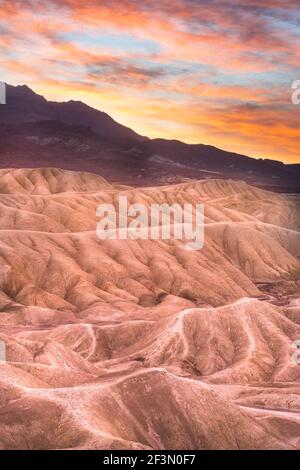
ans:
x=142 y=344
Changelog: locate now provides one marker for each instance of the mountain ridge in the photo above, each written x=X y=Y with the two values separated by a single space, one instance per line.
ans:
x=28 y=135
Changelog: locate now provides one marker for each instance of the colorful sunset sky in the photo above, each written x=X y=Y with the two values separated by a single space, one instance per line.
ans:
x=216 y=72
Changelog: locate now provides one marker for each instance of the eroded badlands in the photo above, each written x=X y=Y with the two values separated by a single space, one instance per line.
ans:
x=142 y=344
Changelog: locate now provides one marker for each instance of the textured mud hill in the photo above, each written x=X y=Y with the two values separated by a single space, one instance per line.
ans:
x=149 y=409
x=141 y=343
x=74 y=136
x=48 y=181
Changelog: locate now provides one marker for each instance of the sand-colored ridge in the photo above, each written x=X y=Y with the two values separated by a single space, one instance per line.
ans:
x=124 y=344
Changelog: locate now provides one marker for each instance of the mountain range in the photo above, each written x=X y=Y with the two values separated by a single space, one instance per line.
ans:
x=71 y=135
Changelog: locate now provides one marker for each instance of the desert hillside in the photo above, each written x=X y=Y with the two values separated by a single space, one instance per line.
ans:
x=140 y=344
x=36 y=132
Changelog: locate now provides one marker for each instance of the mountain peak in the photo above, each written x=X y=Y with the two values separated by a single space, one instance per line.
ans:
x=24 y=105
x=21 y=91
x=74 y=135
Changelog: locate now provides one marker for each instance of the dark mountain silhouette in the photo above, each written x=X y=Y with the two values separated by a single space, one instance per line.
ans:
x=72 y=135
x=23 y=105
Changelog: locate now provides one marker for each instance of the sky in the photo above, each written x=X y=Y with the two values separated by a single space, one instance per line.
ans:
x=216 y=72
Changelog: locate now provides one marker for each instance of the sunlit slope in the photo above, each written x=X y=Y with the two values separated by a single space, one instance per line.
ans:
x=185 y=349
